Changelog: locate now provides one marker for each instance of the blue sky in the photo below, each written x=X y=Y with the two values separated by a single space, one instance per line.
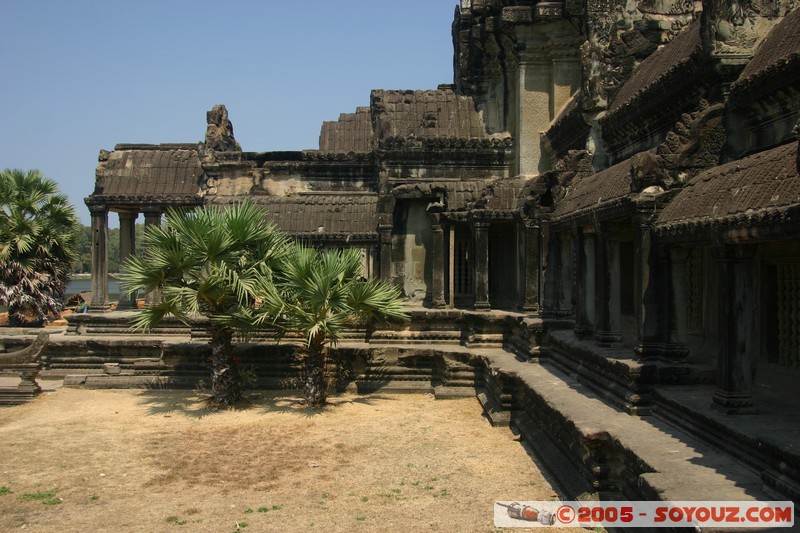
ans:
x=80 y=75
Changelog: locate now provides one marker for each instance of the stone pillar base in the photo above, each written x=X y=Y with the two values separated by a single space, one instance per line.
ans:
x=482 y=306
x=608 y=338
x=733 y=403
x=660 y=350
x=438 y=304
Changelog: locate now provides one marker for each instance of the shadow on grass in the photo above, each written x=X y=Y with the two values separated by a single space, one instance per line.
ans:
x=194 y=404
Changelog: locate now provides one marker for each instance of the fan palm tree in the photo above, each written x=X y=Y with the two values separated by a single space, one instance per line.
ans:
x=318 y=294
x=211 y=262
x=38 y=235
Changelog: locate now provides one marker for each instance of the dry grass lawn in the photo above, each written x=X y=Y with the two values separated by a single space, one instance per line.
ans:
x=86 y=460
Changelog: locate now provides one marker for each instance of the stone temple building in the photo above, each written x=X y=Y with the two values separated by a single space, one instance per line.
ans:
x=626 y=172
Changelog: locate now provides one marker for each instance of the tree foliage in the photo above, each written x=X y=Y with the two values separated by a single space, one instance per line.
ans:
x=38 y=233
x=211 y=262
x=318 y=295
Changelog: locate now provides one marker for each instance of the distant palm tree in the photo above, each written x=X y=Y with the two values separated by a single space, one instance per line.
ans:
x=318 y=295
x=212 y=262
x=38 y=232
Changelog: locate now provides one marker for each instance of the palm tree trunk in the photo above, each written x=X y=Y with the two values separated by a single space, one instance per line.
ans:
x=226 y=390
x=315 y=388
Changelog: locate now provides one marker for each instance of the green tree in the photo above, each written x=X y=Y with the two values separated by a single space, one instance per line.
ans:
x=211 y=262
x=38 y=232
x=83 y=248
x=318 y=295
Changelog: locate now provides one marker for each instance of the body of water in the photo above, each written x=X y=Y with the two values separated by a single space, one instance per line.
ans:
x=85 y=285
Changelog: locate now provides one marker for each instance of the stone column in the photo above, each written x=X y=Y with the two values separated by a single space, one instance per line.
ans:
x=127 y=245
x=385 y=252
x=607 y=291
x=548 y=268
x=578 y=269
x=99 y=258
x=584 y=282
x=451 y=265
x=481 y=265
x=530 y=279
x=565 y=276
x=438 y=263
x=152 y=217
x=676 y=340
x=736 y=307
x=647 y=299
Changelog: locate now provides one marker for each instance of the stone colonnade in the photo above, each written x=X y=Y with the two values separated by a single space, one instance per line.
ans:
x=586 y=284
x=127 y=245
x=442 y=261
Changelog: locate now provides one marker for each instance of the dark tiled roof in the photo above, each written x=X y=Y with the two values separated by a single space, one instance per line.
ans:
x=320 y=214
x=462 y=195
x=660 y=64
x=351 y=133
x=752 y=186
x=427 y=114
x=779 y=52
x=148 y=174
x=607 y=185
x=504 y=195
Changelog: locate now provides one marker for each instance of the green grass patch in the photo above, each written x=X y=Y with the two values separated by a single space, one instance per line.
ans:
x=47 y=497
x=5 y=490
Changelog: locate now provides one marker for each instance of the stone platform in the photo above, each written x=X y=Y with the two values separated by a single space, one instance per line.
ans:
x=574 y=404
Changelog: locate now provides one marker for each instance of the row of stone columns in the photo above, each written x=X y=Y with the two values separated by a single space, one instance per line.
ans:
x=660 y=293
x=127 y=245
x=440 y=265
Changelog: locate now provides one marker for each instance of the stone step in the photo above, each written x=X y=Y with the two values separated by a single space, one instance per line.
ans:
x=416 y=337
x=494 y=412
x=393 y=387
x=448 y=392
x=641 y=457
x=485 y=339
x=568 y=481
